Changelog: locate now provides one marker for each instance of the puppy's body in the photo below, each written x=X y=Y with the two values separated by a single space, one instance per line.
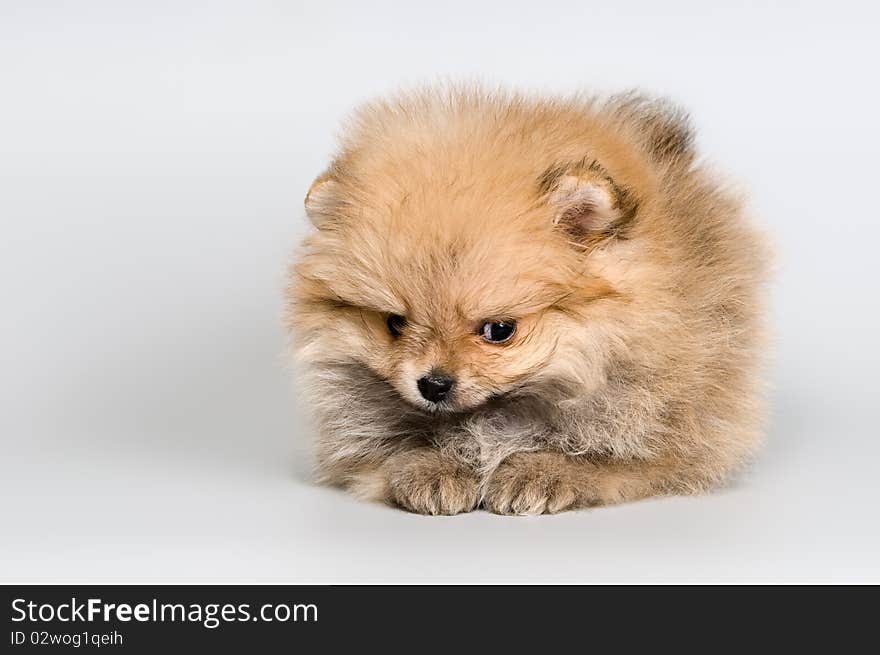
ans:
x=629 y=277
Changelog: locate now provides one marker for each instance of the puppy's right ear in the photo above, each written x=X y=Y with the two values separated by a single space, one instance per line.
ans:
x=322 y=199
x=587 y=204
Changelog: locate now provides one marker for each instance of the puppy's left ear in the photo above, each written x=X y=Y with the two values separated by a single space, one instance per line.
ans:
x=322 y=199
x=587 y=203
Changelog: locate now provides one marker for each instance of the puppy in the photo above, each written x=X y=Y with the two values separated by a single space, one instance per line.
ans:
x=526 y=304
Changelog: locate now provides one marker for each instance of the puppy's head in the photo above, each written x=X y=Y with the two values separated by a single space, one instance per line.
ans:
x=461 y=247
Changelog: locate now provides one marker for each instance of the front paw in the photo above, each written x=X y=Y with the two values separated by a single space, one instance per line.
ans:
x=429 y=482
x=533 y=483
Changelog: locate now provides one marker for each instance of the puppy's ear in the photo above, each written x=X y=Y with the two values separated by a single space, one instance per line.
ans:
x=322 y=199
x=586 y=202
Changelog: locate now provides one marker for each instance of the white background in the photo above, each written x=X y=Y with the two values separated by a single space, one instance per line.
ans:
x=153 y=161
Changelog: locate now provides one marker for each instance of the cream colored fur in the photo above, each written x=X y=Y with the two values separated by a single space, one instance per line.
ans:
x=634 y=279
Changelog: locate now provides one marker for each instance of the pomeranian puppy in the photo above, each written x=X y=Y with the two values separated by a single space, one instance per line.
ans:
x=526 y=304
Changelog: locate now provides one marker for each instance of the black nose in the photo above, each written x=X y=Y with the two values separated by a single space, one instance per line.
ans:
x=435 y=386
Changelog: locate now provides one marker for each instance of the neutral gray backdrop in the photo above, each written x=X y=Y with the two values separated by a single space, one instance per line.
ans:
x=153 y=161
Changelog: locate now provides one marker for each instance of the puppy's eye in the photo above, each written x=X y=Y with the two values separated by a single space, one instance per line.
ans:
x=396 y=323
x=498 y=331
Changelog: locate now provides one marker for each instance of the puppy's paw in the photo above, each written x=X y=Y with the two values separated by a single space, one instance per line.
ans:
x=426 y=481
x=533 y=483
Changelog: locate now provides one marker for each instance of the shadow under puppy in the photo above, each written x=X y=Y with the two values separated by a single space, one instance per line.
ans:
x=526 y=304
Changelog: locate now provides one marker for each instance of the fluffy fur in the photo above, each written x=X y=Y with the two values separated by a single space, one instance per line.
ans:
x=632 y=275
